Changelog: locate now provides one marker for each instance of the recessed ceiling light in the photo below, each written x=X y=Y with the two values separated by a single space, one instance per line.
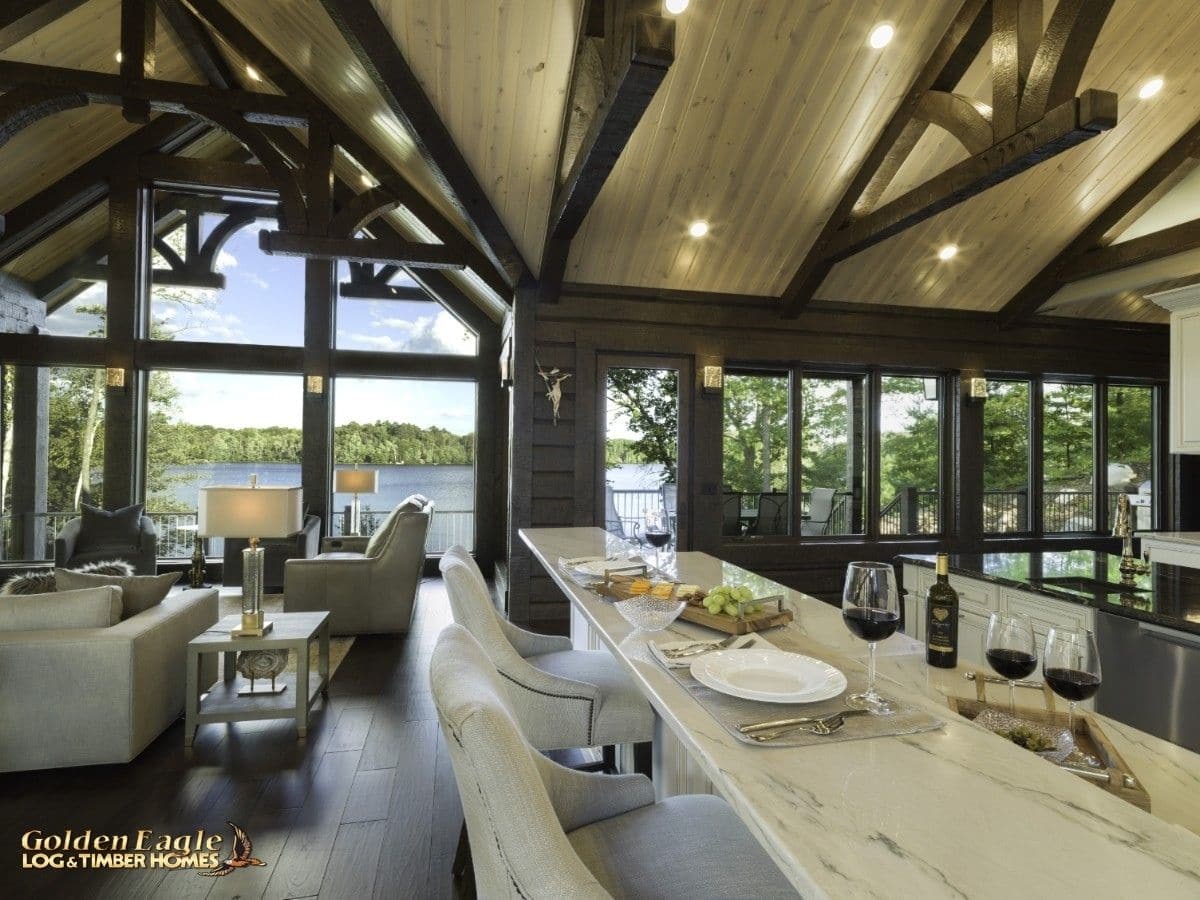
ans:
x=948 y=252
x=698 y=229
x=882 y=35
x=675 y=7
x=252 y=74
x=1150 y=88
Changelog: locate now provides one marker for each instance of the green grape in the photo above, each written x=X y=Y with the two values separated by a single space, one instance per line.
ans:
x=743 y=594
x=731 y=609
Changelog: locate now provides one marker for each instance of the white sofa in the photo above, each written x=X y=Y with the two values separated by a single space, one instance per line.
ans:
x=86 y=696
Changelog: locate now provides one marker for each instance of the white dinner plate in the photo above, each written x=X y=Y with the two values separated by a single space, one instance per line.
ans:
x=770 y=675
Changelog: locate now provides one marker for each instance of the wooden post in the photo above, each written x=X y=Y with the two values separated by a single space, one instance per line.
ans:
x=910 y=508
x=30 y=455
x=857 y=451
x=520 y=448
x=966 y=487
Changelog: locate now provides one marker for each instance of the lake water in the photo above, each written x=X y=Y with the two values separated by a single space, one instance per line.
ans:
x=451 y=488
x=635 y=477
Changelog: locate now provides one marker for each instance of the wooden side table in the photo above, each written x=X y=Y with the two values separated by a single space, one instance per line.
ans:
x=291 y=631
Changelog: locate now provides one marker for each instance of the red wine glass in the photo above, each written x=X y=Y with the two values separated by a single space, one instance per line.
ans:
x=871 y=610
x=1072 y=667
x=1010 y=650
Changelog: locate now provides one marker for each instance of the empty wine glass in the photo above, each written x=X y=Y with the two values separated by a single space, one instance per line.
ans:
x=871 y=610
x=1010 y=650
x=1072 y=667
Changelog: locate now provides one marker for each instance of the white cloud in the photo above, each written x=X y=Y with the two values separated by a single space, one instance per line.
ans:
x=439 y=333
x=226 y=260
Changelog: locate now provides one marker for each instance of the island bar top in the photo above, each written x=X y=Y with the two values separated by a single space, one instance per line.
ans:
x=1167 y=595
x=950 y=813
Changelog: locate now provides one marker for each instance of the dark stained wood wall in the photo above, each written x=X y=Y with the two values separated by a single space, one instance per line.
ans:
x=556 y=465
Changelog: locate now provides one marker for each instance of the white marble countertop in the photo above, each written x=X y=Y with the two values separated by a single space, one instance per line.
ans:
x=952 y=813
x=1191 y=538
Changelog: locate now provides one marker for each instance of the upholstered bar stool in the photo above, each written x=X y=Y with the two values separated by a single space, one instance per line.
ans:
x=543 y=830
x=563 y=698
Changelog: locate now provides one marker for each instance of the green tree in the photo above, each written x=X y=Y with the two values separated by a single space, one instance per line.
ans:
x=649 y=399
x=755 y=448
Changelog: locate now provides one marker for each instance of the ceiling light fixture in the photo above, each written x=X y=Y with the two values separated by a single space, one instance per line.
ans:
x=882 y=35
x=252 y=74
x=948 y=252
x=367 y=181
x=1150 y=88
x=698 y=229
x=118 y=56
x=675 y=7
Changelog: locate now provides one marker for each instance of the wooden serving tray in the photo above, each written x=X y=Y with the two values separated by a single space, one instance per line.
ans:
x=1089 y=737
x=730 y=625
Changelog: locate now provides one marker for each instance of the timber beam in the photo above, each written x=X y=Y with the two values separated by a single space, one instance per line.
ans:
x=180 y=172
x=137 y=57
x=163 y=96
x=1035 y=115
x=88 y=184
x=376 y=50
x=1147 y=188
x=198 y=44
x=619 y=74
x=372 y=250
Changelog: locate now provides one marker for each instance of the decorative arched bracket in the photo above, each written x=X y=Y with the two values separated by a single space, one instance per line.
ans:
x=27 y=104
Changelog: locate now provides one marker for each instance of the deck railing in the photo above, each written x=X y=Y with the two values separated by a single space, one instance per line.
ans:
x=449 y=526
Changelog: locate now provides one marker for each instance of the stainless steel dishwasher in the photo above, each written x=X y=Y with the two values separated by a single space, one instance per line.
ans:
x=1151 y=678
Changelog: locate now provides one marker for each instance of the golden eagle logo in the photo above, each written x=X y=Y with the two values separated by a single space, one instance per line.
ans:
x=240 y=859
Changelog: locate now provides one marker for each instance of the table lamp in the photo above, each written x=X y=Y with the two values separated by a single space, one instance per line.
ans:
x=253 y=513
x=355 y=481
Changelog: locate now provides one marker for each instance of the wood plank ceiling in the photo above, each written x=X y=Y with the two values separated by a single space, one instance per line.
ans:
x=760 y=124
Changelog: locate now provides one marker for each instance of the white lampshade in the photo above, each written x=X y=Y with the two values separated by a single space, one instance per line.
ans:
x=356 y=481
x=250 y=512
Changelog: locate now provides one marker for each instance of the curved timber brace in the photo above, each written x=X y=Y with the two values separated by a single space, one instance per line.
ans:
x=25 y=105
x=1035 y=115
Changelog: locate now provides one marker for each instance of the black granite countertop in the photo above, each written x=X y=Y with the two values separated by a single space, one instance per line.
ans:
x=1167 y=595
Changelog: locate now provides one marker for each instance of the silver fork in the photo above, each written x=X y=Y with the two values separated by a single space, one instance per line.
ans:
x=823 y=727
x=698 y=647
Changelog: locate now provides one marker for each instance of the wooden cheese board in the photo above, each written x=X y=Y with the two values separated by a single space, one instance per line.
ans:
x=1116 y=777
x=621 y=586
x=768 y=618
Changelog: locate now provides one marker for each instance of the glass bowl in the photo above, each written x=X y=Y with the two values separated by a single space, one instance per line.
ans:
x=650 y=613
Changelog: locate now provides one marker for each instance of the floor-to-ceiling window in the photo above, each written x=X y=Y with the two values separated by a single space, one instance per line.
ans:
x=755 y=453
x=419 y=437
x=832 y=447
x=909 y=455
x=1068 y=457
x=1130 y=454
x=1006 y=457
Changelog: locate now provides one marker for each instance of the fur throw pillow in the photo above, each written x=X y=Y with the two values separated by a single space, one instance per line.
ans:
x=41 y=581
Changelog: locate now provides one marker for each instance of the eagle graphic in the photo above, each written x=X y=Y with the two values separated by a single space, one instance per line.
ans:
x=242 y=845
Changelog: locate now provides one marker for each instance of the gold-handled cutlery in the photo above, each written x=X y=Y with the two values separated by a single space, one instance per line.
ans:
x=826 y=724
x=697 y=647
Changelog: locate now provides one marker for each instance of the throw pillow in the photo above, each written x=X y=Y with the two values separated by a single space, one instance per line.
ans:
x=106 y=567
x=97 y=607
x=104 y=528
x=140 y=592
x=38 y=581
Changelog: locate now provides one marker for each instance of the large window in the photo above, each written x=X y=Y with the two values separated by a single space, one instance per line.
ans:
x=262 y=301
x=832 y=438
x=398 y=324
x=52 y=453
x=82 y=314
x=910 y=455
x=1130 y=452
x=755 y=453
x=206 y=428
x=420 y=437
x=1006 y=458
x=1068 y=460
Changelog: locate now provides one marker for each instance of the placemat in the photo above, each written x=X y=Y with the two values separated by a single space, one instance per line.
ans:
x=733 y=711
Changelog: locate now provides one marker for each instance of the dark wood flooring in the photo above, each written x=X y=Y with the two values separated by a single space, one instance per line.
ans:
x=366 y=807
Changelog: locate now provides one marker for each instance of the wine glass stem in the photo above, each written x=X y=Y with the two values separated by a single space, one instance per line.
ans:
x=1012 y=697
x=1071 y=718
x=871 y=669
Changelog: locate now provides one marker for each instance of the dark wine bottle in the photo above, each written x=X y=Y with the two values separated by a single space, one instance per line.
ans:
x=941 y=619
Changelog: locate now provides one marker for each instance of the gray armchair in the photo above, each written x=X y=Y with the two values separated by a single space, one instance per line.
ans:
x=276 y=551
x=367 y=592
x=73 y=547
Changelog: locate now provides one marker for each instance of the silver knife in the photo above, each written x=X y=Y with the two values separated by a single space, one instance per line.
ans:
x=752 y=727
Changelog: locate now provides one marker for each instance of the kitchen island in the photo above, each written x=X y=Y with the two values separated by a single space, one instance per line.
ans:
x=956 y=812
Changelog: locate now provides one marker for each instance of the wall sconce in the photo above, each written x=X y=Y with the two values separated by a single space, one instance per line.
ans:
x=115 y=378
x=315 y=384
x=931 y=388
x=714 y=379
x=977 y=389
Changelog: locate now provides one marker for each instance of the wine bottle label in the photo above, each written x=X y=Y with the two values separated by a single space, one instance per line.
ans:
x=941 y=634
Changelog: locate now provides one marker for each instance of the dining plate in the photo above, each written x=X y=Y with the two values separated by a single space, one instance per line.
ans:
x=770 y=675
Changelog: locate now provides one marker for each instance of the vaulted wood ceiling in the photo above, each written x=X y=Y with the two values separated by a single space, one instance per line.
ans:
x=762 y=121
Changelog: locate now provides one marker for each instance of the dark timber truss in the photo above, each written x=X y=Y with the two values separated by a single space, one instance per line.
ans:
x=1035 y=115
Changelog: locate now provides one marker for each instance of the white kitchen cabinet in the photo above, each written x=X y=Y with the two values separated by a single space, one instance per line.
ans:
x=916 y=584
x=1184 y=398
x=1172 y=548
x=971 y=629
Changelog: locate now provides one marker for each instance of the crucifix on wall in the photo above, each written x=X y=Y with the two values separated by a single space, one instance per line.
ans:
x=553 y=379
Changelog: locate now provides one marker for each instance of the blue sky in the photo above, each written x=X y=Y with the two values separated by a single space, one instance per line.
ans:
x=263 y=303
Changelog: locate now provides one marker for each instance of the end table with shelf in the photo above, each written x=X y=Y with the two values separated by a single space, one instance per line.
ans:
x=291 y=631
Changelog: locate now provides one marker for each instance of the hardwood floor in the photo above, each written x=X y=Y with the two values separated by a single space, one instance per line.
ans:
x=367 y=807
